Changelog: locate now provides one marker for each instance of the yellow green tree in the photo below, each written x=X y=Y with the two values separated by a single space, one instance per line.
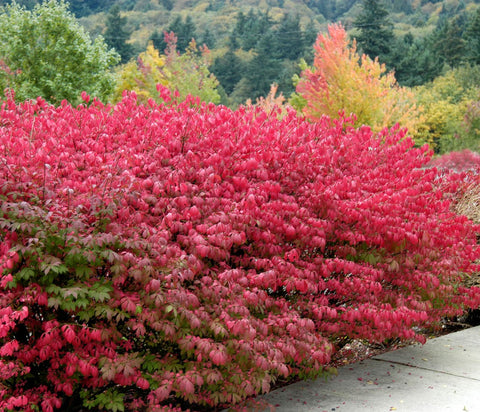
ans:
x=182 y=74
x=449 y=103
x=341 y=80
x=142 y=75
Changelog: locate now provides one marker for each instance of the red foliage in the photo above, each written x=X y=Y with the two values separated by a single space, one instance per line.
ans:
x=153 y=255
x=462 y=161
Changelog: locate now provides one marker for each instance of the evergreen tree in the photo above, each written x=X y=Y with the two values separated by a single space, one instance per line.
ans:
x=185 y=35
x=168 y=4
x=289 y=42
x=415 y=61
x=116 y=34
x=288 y=69
x=472 y=37
x=375 y=32
x=228 y=69
x=341 y=7
x=237 y=32
x=260 y=72
x=449 y=43
x=326 y=7
x=402 y=6
x=184 y=30
x=309 y=36
x=232 y=42
x=251 y=28
x=158 y=40
x=208 y=39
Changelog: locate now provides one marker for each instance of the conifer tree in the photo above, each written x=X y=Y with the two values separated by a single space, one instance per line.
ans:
x=448 y=41
x=158 y=40
x=289 y=43
x=375 y=32
x=228 y=69
x=208 y=39
x=260 y=72
x=415 y=61
x=116 y=34
x=472 y=36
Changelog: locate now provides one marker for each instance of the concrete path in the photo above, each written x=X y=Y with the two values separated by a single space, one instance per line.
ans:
x=442 y=375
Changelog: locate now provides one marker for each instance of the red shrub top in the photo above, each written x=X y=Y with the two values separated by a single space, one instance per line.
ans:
x=191 y=254
x=462 y=161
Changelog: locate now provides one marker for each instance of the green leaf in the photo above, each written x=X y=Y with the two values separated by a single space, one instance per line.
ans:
x=370 y=258
x=68 y=306
x=53 y=289
x=51 y=263
x=82 y=303
x=83 y=271
x=100 y=292
x=86 y=315
x=25 y=274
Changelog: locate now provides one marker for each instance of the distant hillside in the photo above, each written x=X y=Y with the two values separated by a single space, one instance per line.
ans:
x=219 y=16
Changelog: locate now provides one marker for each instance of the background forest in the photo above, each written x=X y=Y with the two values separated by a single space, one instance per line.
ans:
x=433 y=49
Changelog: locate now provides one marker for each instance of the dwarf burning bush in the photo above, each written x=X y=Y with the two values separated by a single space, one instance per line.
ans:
x=190 y=255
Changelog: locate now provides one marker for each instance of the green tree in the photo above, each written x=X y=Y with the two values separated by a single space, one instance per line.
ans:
x=449 y=103
x=208 y=39
x=49 y=54
x=116 y=34
x=325 y=7
x=402 y=6
x=472 y=37
x=415 y=61
x=158 y=40
x=310 y=34
x=289 y=42
x=260 y=72
x=238 y=31
x=250 y=28
x=228 y=69
x=375 y=32
x=448 y=41
x=168 y=4
x=184 y=30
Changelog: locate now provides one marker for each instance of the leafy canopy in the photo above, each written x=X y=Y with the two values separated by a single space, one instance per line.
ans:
x=182 y=74
x=47 y=53
x=450 y=102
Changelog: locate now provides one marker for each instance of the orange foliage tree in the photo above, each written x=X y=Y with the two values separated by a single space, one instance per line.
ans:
x=342 y=81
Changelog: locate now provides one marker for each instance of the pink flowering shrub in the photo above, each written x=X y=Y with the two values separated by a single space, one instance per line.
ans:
x=161 y=257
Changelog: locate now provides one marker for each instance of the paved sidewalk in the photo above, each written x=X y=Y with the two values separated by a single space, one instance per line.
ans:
x=442 y=375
